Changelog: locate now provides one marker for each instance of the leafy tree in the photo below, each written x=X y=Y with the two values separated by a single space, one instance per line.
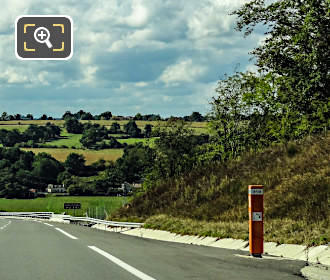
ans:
x=46 y=168
x=106 y=115
x=147 y=130
x=29 y=116
x=67 y=115
x=44 y=117
x=138 y=117
x=115 y=128
x=90 y=137
x=196 y=117
x=114 y=144
x=75 y=164
x=72 y=125
x=63 y=176
x=175 y=150
x=132 y=129
x=4 y=116
x=136 y=161
x=10 y=138
x=87 y=116
x=296 y=49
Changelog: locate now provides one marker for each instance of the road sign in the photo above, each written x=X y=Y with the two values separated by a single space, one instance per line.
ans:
x=72 y=205
x=256 y=224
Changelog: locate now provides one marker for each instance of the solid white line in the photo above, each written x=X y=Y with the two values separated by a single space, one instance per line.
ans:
x=67 y=234
x=123 y=265
x=48 y=224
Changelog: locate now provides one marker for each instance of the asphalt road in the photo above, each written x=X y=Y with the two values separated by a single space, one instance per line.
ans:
x=31 y=250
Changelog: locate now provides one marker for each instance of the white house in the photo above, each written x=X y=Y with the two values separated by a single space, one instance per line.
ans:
x=56 y=188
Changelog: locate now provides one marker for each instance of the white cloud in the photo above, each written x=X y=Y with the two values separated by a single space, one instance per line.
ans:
x=130 y=54
x=183 y=71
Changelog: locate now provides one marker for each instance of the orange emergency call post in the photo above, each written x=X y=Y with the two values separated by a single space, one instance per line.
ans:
x=256 y=220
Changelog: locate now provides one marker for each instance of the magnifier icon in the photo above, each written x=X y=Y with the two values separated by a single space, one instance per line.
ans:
x=41 y=35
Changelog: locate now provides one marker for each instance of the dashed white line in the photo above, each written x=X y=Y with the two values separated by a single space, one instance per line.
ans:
x=122 y=264
x=67 y=234
x=48 y=225
x=3 y=227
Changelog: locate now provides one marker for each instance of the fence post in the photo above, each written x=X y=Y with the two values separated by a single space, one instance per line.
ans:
x=256 y=220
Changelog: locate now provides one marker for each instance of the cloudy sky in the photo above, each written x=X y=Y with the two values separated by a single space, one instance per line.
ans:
x=148 y=56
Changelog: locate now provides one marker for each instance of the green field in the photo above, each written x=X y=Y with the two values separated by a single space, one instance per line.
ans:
x=90 y=155
x=72 y=141
x=68 y=139
x=55 y=204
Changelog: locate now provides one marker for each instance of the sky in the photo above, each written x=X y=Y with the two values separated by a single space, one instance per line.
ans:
x=149 y=56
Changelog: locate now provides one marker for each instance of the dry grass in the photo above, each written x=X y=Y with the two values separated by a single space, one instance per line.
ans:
x=90 y=155
x=297 y=192
x=198 y=126
x=280 y=231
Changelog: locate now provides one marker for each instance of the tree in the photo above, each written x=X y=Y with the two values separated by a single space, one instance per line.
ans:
x=87 y=116
x=296 y=48
x=90 y=137
x=196 y=117
x=47 y=168
x=136 y=162
x=67 y=115
x=147 y=130
x=4 y=116
x=75 y=164
x=106 y=115
x=132 y=129
x=44 y=117
x=72 y=125
x=175 y=150
x=29 y=116
x=138 y=117
x=115 y=128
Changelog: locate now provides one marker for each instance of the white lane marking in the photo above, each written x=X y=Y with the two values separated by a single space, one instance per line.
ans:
x=123 y=265
x=3 y=227
x=67 y=234
x=48 y=224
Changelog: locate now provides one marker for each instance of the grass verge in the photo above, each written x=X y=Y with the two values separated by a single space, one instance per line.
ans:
x=213 y=200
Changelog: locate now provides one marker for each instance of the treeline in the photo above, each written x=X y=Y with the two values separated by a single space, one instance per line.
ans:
x=32 y=135
x=82 y=115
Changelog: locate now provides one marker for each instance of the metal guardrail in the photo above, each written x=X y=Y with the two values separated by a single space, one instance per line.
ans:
x=39 y=215
x=103 y=222
x=48 y=215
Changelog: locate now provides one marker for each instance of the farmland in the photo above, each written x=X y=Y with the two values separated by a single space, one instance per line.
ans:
x=90 y=155
x=200 y=127
x=55 y=204
x=70 y=143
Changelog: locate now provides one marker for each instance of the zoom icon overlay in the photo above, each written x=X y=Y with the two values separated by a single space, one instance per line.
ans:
x=44 y=37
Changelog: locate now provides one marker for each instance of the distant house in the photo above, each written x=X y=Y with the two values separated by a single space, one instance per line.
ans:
x=56 y=188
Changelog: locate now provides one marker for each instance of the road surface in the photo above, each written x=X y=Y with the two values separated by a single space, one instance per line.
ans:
x=31 y=250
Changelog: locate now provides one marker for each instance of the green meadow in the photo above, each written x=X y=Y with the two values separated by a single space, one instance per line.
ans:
x=56 y=204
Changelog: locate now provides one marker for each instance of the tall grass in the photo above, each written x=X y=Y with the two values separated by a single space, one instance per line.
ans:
x=297 y=194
